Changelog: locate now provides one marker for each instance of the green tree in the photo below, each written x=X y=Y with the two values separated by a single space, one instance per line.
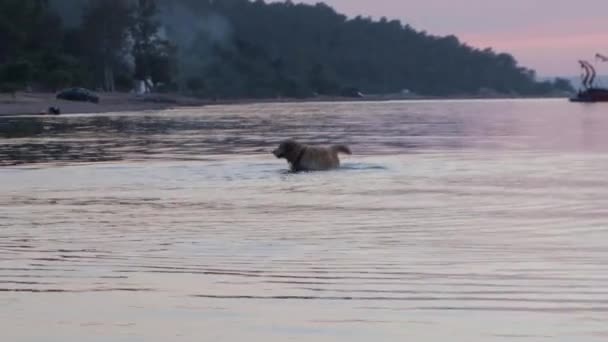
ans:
x=105 y=38
x=14 y=76
x=243 y=48
x=153 y=55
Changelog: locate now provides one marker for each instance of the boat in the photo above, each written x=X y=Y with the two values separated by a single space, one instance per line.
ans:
x=591 y=92
x=591 y=95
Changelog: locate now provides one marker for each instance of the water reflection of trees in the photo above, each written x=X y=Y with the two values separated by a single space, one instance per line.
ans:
x=113 y=138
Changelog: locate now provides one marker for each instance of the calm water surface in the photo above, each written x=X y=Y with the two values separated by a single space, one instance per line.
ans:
x=453 y=221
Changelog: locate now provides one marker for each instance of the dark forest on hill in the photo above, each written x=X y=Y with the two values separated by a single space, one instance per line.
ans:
x=241 y=49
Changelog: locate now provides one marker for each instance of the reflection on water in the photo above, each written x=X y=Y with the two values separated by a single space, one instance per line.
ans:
x=190 y=136
x=463 y=220
x=375 y=128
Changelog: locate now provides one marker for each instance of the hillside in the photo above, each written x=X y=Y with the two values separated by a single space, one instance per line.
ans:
x=240 y=48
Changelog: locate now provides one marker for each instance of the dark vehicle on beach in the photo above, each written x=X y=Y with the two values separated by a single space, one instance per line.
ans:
x=78 y=94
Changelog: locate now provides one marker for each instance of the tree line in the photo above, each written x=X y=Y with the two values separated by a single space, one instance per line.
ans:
x=115 y=43
x=241 y=48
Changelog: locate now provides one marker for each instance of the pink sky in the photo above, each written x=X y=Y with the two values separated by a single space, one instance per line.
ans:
x=546 y=35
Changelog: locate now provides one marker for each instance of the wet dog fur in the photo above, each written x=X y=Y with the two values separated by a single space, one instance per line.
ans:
x=303 y=157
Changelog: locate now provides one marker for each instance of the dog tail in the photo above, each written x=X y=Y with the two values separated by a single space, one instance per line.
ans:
x=341 y=148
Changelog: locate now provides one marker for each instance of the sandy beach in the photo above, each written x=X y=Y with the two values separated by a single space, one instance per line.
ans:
x=26 y=103
x=30 y=103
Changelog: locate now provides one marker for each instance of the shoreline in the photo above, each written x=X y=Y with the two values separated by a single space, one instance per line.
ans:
x=25 y=103
x=28 y=104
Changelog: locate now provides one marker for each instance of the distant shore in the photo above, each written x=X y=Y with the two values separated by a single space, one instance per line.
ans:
x=25 y=103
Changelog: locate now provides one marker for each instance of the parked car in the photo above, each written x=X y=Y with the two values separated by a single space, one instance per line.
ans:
x=78 y=94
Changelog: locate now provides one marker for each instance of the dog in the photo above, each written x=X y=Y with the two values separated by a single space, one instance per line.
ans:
x=303 y=157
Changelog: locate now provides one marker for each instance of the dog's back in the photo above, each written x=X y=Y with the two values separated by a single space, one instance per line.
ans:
x=323 y=158
x=341 y=149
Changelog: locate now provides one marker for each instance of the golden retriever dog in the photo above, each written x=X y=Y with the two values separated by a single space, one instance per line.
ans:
x=303 y=157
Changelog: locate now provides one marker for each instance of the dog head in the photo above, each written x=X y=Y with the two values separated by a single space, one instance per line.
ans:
x=287 y=149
